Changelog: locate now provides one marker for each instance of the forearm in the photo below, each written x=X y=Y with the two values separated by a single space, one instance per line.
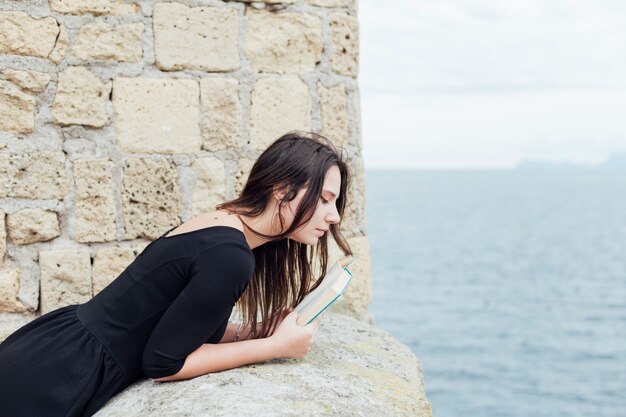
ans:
x=210 y=358
x=229 y=334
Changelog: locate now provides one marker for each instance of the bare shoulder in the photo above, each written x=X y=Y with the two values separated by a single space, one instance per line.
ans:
x=222 y=218
x=209 y=219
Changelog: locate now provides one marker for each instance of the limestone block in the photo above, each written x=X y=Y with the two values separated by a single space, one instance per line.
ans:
x=353 y=369
x=9 y=287
x=356 y=118
x=32 y=225
x=150 y=197
x=350 y=219
x=221 y=113
x=121 y=8
x=65 y=278
x=21 y=34
x=94 y=205
x=278 y=105
x=80 y=99
x=10 y=322
x=361 y=193
x=108 y=264
x=358 y=295
x=82 y=6
x=344 y=57
x=17 y=109
x=283 y=42
x=195 y=38
x=35 y=175
x=334 y=108
x=101 y=42
x=330 y=3
x=3 y=238
x=29 y=80
x=269 y=1
x=157 y=115
x=242 y=174
x=5 y=171
x=210 y=187
x=63 y=42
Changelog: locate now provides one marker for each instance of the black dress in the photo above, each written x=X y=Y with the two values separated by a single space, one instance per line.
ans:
x=176 y=295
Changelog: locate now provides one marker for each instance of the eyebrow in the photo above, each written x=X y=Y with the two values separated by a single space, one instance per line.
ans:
x=330 y=192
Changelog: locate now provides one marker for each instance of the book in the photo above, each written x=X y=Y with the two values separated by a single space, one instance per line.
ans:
x=334 y=283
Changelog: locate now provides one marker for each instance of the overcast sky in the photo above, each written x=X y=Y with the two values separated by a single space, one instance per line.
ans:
x=485 y=83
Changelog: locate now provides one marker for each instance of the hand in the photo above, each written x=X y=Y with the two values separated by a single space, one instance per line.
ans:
x=291 y=339
x=281 y=316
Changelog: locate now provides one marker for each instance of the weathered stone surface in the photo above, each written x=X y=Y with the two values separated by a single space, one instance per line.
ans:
x=221 y=113
x=108 y=264
x=32 y=225
x=9 y=287
x=3 y=238
x=21 y=34
x=269 y=1
x=283 y=42
x=334 y=108
x=121 y=8
x=344 y=57
x=210 y=187
x=82 y=6
x=10 y=322
x=101 y=42
x=330 y=3
x=150 y=197
x=17 y=109
x=95 y=207
x=63 y=42
x=81 y=98
x=195 y=38
x=277 y=106
x=358 y=295
x=32 y=81
x=157 y=115
x=65 y=278
x=360 y=191
x=356 y=120
x=242 y=174
x=36 y=175
x=354 y=369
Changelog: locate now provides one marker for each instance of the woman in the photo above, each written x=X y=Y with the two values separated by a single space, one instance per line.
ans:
x=166 y=316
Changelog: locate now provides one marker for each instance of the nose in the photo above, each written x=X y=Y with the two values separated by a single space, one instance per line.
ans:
x=333 y=216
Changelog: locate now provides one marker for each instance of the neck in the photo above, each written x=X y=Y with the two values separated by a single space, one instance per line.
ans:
x=261 y=223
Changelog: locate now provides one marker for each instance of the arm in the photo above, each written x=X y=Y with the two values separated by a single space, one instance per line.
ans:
x=229 y=334
x=244 y=334
x=219 y=357
x=217 y=277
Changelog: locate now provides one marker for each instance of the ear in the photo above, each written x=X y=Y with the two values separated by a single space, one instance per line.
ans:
x=279 y=191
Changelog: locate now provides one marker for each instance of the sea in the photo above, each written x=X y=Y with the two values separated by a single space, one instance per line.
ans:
x=508 y=286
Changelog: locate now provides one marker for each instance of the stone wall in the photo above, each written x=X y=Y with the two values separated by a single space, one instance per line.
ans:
x=119 y=120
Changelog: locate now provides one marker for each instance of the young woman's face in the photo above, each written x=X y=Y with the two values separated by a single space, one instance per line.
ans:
x=325 y=214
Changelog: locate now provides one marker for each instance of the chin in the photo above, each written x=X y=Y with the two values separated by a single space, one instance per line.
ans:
x=311 y=241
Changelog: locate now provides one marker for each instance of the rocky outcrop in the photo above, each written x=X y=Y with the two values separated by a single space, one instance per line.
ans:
x=354 y=369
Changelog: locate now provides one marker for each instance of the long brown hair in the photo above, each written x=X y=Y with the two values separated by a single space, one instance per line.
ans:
x=283 y=267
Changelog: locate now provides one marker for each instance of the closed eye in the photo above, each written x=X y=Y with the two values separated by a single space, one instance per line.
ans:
x=324 y=200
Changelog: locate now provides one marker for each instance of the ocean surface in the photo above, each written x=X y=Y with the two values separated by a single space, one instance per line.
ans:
x=509 y=286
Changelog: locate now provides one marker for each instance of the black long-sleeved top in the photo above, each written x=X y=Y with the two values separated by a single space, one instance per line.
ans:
x=176 y=295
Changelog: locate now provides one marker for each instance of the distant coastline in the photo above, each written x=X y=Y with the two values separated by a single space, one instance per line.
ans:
x=615 y=162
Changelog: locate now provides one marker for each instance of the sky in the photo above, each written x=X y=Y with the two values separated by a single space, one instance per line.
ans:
x=485 y=84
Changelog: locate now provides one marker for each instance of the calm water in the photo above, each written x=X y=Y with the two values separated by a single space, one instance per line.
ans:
x=510 y=287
